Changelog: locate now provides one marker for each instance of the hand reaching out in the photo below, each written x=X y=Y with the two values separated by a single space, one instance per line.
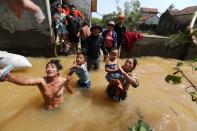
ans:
x=17 y=6
x=69 y=78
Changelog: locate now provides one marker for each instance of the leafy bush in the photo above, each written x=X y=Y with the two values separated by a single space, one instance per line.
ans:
x=140 y=126
x=176 y=78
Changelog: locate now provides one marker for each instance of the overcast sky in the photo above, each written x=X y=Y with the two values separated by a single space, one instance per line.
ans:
x=108 y=6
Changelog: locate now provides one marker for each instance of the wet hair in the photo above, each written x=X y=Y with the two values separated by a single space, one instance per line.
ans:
x=56 y=62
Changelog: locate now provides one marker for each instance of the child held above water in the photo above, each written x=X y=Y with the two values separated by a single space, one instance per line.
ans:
x=126 y=78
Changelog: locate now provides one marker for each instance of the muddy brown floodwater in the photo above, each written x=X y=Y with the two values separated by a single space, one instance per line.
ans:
x=164 y=106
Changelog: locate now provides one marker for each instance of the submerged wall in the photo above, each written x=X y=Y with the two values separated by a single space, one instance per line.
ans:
x=160 y=46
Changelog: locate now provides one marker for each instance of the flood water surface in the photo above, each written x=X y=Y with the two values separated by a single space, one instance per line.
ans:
x=164 y=106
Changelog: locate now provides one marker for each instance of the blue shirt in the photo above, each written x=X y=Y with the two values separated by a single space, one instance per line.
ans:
x=114 y=37
x=82 y=74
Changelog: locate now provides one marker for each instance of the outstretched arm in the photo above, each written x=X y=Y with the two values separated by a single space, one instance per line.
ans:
x=22 y=80
x=17 y=6
x=71 y=71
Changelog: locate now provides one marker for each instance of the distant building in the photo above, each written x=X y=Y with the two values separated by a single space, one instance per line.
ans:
x=148 y=11
x=149 y=19
x=172 y=21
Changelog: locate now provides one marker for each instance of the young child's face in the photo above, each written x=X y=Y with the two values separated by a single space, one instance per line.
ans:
x=128 y=65
x=113 y=55
x=80 y=59
x=73 y=10
x=59 y=9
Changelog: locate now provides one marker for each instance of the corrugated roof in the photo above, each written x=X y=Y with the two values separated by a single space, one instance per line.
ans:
x=173 y=12
x=148 y=10
x=146 y=17
x=186 y=11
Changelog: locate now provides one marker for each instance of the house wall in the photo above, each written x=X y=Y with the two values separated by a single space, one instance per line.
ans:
x=25 y=36
x=169 y=24
x=153 y=20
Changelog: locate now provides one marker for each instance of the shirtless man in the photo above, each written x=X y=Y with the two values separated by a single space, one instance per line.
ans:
x=84 y=34
x=51 y=86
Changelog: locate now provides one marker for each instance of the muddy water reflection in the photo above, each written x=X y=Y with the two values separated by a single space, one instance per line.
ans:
x=164 y=106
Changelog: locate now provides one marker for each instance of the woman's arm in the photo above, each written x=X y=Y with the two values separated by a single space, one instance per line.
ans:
x=133 y=81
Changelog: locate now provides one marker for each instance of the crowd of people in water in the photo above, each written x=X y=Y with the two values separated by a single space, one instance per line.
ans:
x=66 y=24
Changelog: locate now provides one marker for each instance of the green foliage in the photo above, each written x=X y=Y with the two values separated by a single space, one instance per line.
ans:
x=176 y=77
x=195 y=59
x=132 y=14
x=182 y=37
x=140 y=126
x=179 y=64
x=97 y=21
x=195 y=68
x=108 y=17
x=193 y=96
x=173 y=79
